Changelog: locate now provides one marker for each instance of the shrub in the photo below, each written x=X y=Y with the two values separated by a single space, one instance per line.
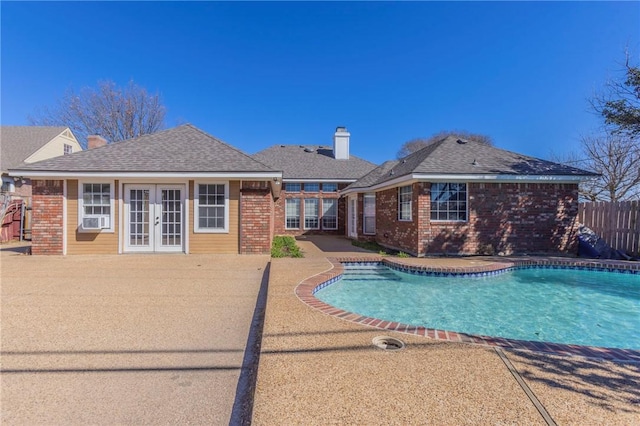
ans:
x=285 y=246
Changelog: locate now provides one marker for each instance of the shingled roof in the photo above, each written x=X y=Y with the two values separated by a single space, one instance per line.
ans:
x=312 y=162
x=456 y=157
x=183 y=149
x=17 y=143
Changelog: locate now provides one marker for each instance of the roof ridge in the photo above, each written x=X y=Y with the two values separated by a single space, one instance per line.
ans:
x=226 y=144
x=276 y=146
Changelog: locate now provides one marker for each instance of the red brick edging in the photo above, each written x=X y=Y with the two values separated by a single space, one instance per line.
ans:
x=306 y=289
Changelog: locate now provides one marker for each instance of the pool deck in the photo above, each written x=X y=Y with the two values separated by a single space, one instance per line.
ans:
x=316 y=368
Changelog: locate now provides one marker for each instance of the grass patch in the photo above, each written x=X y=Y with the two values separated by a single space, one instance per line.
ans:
x=372 y=246
x=375 y=247
x=368 y=245
x=285 y=246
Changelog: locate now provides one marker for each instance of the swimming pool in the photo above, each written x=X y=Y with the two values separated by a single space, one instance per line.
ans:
x=569 y=306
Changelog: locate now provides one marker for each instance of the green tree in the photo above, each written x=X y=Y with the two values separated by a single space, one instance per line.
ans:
x=619 y=103
x=614 y=151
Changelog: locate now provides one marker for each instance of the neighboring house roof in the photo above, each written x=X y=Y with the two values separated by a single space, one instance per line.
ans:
x=312 y=162
x=184 y=149
x=452 y=157
x=18 y=143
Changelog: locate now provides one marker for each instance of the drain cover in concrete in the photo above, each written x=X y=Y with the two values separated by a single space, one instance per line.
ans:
x=388 y=343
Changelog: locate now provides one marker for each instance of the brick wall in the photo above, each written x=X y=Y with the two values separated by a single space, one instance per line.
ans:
x=504 y=218
x=256 y=218
x=279 y=215
x=390 y=232
x=47 y=220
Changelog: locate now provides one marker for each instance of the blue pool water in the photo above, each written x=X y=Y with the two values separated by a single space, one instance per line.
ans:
x=551 y=305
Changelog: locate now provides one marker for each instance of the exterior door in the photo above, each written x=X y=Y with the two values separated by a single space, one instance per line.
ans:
x=154 y=218
x=353 y=217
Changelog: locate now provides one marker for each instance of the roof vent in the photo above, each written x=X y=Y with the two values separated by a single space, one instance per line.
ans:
x=392 y=173
x=282 y=146
x=461 y=141
x=404 y=161
x=308 y=150
x=475 y=163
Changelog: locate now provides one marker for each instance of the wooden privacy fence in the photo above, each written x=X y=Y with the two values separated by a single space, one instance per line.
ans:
x=618 y=223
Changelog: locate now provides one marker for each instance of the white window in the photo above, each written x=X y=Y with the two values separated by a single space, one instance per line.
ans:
x=292 y=213
x=68 y=149
x=369 y=214
x=405 y=195
x=211 y=207
x=329 y=187
x=292 y=187
x=311 y=213
x=330 y=213
x=449 y=201
x=95 y=207
x=311 y=187
x=8 y=184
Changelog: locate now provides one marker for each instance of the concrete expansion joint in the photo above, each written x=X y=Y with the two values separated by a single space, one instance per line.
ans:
x=527 y=390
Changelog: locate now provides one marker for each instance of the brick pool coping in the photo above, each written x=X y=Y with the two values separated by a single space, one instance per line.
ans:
x=305 y=291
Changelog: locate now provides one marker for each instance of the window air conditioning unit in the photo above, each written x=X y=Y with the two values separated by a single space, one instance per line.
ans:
x=100 y=222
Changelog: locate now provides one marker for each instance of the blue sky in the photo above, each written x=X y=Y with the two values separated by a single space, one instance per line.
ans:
x=258 y=74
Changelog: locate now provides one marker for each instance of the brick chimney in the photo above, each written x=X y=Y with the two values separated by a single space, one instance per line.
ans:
x=341 y=143
x=95 y=141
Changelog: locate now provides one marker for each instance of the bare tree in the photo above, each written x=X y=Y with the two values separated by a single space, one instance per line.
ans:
x=110 y=111
x=416 y=144
x=589 y=190
x=616 y=158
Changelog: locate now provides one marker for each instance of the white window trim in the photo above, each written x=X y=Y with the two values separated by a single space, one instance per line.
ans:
x=410 y=204
x=299 y=212
x=337 y=216
x=196 y=211
x=81 y=183
x=318 y=215
x=364 y=214
x=466 y=210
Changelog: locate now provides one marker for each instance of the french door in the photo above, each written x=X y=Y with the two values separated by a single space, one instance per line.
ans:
x=154 y=218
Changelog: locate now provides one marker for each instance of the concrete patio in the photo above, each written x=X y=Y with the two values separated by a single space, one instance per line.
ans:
x=160 y=339
x=136 y=339
x=316 y=369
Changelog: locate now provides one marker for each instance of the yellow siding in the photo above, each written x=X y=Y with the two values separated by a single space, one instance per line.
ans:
x=88 y=242
x=54 y=148
x=216 y=243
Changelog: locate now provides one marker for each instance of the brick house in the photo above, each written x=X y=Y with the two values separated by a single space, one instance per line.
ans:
x=313 y=176
x=464 y=197
x=179 y=190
